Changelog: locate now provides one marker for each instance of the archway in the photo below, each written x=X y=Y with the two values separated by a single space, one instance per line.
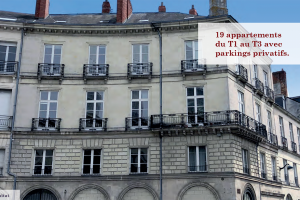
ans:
x=40 y=194
x=198 y=191
x=249 y=193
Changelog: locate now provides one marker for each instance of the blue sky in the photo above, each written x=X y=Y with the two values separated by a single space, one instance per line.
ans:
x=254 y=11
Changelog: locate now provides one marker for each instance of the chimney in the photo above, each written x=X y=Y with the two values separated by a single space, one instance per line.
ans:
x=193 y=11
x=279 y=82
x=106 y=7
x=124 y=10
x=162 y=8
x=218 y=7
x=42 y=9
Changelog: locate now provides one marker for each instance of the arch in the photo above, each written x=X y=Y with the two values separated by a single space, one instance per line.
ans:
x=89 y=186
x=288 y=197
x=198 y=184
x=136 y=186
x=37 y=187
x=249 y=192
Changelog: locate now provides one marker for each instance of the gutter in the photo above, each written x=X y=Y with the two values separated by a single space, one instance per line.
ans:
x=14 y=112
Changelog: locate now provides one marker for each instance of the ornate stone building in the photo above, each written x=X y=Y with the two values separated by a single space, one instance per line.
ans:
x=86 y=120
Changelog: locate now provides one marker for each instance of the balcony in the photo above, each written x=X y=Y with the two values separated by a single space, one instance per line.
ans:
x=242 y=73
x=5 y=122
x=136 y=123
x=259 y=87
x=294 y=147
x=192 y=67
x=46 y=124
x=284 y=142
x=139 y=70
x=95 y=71
x=50 y=71
x=93 y=124
x=8 y=68
x=269 y=94
x=273 y=139
x=217 y=118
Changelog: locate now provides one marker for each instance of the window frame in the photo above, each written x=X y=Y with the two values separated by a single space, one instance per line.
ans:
x=286 y=172
x=139 y=160
x=43 y=162
x=258 y=112
x=274 y=169
x=296 y=174
x=269 y=122
x=197 y=159
x=246 y=165
x=255 y=71
x=140 y=52
x=194 y=98
x=281 y=126
x=95 y=101
x=291 y=132
x=241 y=99
x=52 y=53
x=140 y=100
x=8 y=45
x=193 y=49
x=91 y=162
x=263 y=165
x=266 y=79
x=47 y=102
x=97 y=54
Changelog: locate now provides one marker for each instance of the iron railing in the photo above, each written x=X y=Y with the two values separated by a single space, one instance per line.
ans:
x=46 y=124
x=246 y=170
x=138 y=170
x=93 y=124
x=50 y=70
x=9 y=67
x=37 y=171
x=263 y=174
x=139 y=69
x=269 y=93
x=242 y=72
x=136 y=123
x=199 y=168
x=273 y=139
x=259 y=86
x=5 y=122
x=217 y=118
x=193 y=65
x=284 y=142
x=294 y=147
x=95 y=70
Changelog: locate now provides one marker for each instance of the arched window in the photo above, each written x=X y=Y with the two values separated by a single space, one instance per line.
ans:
x=289 y=197
x=249 y=193
x=40 y=194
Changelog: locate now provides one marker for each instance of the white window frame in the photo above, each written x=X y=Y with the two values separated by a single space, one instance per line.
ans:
x=48 y=102
x=97 y=53
x=43 y=162
x=197 y=160
x=263 y=164
x=258 y=112
x=195 y=97
x=281 y=126
x=295 y=172
x=55 y=68
x=286 y=172
x=298 y=134
x=97 y=70
x=139 y=160
x=269 y=115
x=140 y=100
x=245 y=160
x=141 y=52
x=95 y=101
x=291 y=131
x=92 y=162
x=241 y=99
x=274 y=169
x=52 y=53
x=194 y=50
x=7 y=52
x=255 y=71
x=2 y=161
x=266 y=79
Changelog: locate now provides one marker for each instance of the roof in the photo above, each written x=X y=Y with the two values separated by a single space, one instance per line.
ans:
x=97 y=18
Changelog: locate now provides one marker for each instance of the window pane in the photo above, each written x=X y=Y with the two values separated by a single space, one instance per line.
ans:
x=93 y=49
x=135 y=105
x=136 y=58
x=87 y=160
x=101 y=59
x=48 y=170
x=53 y=95
x=2 y=56
x=96 y=159
x=52 y=114
x=144 y=105
x=97 y=152
x=190 y=91
x=192 y=158
x=87 y=152
x=143 y=159
x=134 y=168
x=96 y=169
x=99 y=95
x=44 y=95
x=135 y=113
x=47 y=58
x=134 y=151
x=38 y=160
x=136 y=49
x=48 y=49
x=99 y=106
x=43 y=106
x=134 y=159
x=43 y=114
x=145 y=58
x=144 y=114
x=11 y=57
x=90 y=106
x=57 y=49
x=102 y=50
x=200 y=101
x=135 y=94
x=202 y=156
x=145 y=48
x=89 y=114
x=48 y=161
x=191 y=102
x=38 y=170
x=49 y=152
x=56 y=59
x=3 y=48
x=199 y=91
x=144 y=151
x=144 y=94
x=86 y=169
x=143 y=168
x=90 y=96
x=93 y=59
x=53 y=106
x=99 y=114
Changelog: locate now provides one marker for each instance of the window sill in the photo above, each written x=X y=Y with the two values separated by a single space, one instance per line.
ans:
x=84 y=175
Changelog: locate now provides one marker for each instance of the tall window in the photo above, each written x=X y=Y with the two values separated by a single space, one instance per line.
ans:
x=97 y=54
x=197 y=159
x=91 y=161
x=195 y=105
x=48 y=109
x=266 y=79
x=2 y=156
x=281 y=126
x=191 y=50
x=245 y=160
x=298 y=133
x=291 y=132
x=274 y=171
x=263 y=165
x=241 y=102
x=269 y=121
x=286 y=173
x=255 y=72
x=258 y=113
x=94 y=110
x=5 y=102
x=52 y=57
x=139 y=108
x=7 y=55
x=140 y=53
x=43 y=162
x=138 y=160
x=296 y=174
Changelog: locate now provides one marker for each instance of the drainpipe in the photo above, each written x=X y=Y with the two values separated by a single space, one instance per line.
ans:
x=14 y=111
x=157 y=29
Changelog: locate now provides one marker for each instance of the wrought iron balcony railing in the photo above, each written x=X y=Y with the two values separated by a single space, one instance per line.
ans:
x=195 y=65
x=139 y=69
x=93 y=124
x=8 y=67
x=242 y=72
x=273 y=139
x=217 y=118
x=294 y=147
x=259 y=86
x=263 y=174
x=5 y=122
x=200 y=168
x=246 y=170
x=269 y=93
x=50 y=70
x=95 y=70
x=284 y=142
x=136 y=123
x=46 y=124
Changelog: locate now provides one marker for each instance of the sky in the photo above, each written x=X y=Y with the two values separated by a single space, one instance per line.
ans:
x=244 y=11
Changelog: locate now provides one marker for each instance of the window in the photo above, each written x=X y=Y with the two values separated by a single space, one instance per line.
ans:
x=94 y=110
x=2 y=155
x=274 y=171
x=263 y=165
x=296 y=174
x=298 y=133
x=255 y=72
x=286 y=173
x=7 y=57
x=138 y=160
x=241 y=102
x=281 y=126
x=291 y=132
x=48 y=109
x=97 y=54
x=266 y=79
x=52 y=54
x=43 y=162
x=195 y=105
x=191 y=50
x=91 y=161
x=139 y=108
x=269 y=121
x=140 y=53
x=258 y=113
x=197 y=159
x=5 y=102
x=245 y=161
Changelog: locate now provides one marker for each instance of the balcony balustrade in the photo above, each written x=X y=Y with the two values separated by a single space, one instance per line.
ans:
x=242 y=73
x=259 y=86
x=50 y=71
x=269 y=94
x=193 y=66
x=8 y=67
x=294 y=147
x=136 y=123
x=284 y=142
x=5 y=122
x=273 y=139
x=46 y=124
x=139 y=70
x=218 y=118
x=93 y=124
x=95 y=71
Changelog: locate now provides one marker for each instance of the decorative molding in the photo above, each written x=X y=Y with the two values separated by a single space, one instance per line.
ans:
x=36 y=187
x=265 y=193
x=138 y=185
x=249 y=187
x=89 y=186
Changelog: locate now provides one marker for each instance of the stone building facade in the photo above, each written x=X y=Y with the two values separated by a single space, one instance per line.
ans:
x=87 y=122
